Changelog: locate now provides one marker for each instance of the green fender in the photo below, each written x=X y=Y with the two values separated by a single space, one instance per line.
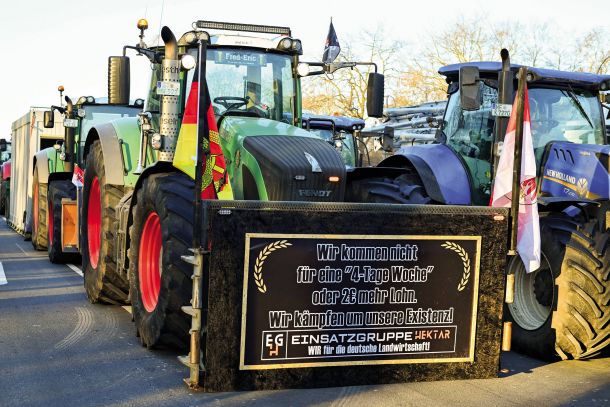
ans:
x=48 y=162
x=120 y=140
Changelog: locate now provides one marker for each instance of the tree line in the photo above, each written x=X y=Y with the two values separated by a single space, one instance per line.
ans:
x=411 y=70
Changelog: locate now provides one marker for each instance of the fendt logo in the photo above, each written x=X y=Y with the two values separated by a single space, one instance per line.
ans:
x=273 y=345
x=310 y=193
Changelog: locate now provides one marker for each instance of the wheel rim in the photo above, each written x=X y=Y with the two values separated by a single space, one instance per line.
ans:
x=94 y=222
x=534 y=294
x=35 y=208
x=50 y=222
x=149 y=262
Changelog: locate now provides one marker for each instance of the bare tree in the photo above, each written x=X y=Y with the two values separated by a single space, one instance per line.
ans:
x=344 y=92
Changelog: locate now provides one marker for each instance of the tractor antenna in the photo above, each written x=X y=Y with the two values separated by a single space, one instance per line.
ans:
x=161 y=21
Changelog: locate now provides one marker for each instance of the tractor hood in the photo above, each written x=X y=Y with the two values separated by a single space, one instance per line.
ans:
x=232 y=127
x=576 y=171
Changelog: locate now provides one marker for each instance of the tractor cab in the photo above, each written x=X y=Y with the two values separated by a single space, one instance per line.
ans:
x=564 y=108
x=338 y=131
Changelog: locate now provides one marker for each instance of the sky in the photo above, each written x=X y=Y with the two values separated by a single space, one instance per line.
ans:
x=67 y=42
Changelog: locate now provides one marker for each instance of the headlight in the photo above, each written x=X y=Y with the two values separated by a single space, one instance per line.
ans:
x=188 y=62
x=139 y=102
x=90 y=99
x=81 y=113
x=285 y=44
x=81 y=100
x=303 y=69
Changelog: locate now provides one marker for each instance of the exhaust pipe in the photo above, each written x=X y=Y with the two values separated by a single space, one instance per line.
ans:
x=69 y=137
x=169 y=103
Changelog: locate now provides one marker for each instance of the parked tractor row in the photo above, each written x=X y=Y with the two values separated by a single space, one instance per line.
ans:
x=115 y=183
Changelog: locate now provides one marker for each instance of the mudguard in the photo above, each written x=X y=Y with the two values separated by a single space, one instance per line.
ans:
x=577 y=172
x=111 y=149
x=42 y=161
x=443 y=174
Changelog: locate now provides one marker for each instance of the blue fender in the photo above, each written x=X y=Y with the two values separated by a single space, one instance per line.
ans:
x=443 y=174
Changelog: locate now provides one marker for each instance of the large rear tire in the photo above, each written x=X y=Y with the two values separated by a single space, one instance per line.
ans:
x=57 y=191
x=39 y=213
x=160 y=280
x=582 y=319
x=561 y=310
x=404 y=189
x=103 y=283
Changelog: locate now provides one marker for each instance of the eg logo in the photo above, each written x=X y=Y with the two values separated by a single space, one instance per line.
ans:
x=274 y=344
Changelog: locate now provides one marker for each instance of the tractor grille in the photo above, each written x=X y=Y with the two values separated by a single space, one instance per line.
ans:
x=287 y=171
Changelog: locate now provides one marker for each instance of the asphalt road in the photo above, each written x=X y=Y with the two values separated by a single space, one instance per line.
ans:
x=57 y=349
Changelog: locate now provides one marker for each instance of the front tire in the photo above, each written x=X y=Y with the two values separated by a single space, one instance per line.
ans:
x=39 y=213
x=160 y=280
x=404 y=189
x=57 y=191
x=103 y=283
x=562 y=310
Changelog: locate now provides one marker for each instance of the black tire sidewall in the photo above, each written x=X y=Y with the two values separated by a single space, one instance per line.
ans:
x=153 y=327
x=540 y=343
x=92 y=276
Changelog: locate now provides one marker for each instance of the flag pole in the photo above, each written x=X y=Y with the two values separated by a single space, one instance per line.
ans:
x=516 y=192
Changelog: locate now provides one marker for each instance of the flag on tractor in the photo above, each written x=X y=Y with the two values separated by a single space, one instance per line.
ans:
x=78 y=176
x=215 y=183
x=332 y=47
x=528 y=231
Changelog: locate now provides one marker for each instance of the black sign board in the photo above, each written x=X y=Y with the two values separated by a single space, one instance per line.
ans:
x=338 y=300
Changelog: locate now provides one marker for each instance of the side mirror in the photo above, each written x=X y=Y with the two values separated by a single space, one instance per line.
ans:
x=374 y=95
x=118 y=80
x=49 y=119
x=470 y=96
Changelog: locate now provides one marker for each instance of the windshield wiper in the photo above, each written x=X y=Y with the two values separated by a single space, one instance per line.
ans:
x=581 y=109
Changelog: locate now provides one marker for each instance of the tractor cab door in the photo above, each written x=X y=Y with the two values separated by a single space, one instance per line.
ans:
x=470 y=135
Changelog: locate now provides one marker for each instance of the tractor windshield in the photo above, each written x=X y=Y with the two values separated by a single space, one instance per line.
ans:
x=564 y=115
x=249 y=82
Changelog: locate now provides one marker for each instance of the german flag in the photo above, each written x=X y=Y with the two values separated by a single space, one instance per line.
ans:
x=215 y=183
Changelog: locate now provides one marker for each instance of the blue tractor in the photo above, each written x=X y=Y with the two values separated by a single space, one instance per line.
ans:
x=563 y=308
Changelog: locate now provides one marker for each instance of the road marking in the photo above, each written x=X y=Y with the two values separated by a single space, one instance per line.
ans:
x=75 y=269
x=21 y=248
x=127 y=308
x=35 y=255
x=2 y=275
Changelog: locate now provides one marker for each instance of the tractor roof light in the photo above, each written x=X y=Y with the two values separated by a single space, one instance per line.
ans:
x=263 y=29
x=81 y=100
x=142 y=24
x=285 y=44
x=297 y=46
x=139 y=102
x=90 y=99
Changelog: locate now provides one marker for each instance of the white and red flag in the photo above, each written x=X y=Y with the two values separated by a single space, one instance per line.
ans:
x=528 y=231
x=78 y=176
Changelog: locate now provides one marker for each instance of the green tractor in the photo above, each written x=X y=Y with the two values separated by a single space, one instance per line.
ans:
x=244 y=91
x=55 y=225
